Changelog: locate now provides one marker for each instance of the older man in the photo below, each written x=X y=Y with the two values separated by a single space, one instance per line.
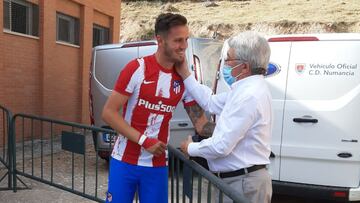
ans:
x=239 y=148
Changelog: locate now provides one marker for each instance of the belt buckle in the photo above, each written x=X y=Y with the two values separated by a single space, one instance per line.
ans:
x=218 y=174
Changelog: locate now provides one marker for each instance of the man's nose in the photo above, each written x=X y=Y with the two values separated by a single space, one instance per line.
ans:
x=184 y=45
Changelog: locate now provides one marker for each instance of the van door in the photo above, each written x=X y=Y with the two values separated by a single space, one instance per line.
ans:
x=320 y=142
x=276 y=79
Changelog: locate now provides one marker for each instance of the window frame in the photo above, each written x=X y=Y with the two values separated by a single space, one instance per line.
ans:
x=72 y=26
x=102 y=29
x=29 y=24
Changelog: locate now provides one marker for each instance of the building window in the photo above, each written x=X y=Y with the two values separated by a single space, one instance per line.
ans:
x=68 y=29
x=21 y=16
x=100 y=35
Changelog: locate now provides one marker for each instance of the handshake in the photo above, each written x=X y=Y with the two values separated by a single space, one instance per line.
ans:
x=156 y=147
x=185 y=143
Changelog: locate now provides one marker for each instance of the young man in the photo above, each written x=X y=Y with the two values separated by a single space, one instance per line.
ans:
x=149 y=89
x=239 y=149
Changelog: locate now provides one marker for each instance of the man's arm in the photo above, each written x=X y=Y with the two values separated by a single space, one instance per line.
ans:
x=203 y=126
x=111 y=116
x=197 y=116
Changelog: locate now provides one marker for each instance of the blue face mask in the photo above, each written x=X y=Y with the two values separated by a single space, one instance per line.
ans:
x=227 y=74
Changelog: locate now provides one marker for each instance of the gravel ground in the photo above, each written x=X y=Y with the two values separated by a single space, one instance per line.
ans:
x=40 y=193
x=31 y=162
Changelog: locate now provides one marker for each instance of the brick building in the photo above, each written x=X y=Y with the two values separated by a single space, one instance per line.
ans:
x=45 y=53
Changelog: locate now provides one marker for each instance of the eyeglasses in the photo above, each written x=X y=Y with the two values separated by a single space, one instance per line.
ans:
x=227 y=60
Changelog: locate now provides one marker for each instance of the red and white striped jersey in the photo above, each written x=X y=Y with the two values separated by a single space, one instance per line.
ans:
x=154 y=94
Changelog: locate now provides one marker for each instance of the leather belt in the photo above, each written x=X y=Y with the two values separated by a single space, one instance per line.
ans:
x=240 y=171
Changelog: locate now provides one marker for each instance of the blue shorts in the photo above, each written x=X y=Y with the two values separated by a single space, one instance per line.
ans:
x=125 y=179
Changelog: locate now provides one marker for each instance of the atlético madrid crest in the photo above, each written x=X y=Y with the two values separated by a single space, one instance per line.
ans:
x=300 y=68
x=176 y=86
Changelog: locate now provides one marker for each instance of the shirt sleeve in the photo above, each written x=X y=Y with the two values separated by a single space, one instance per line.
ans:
x=126 y=81
x=230 y=129
x=188 y=100
x=204 y=96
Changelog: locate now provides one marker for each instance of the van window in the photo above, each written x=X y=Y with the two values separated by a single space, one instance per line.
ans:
x=209 y=56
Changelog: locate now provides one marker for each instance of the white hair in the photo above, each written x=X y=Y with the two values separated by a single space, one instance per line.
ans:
x=251 y=47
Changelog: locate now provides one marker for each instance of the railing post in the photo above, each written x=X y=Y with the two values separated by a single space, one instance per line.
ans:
x=13 y=152
x=9 y=156
x=6 y=160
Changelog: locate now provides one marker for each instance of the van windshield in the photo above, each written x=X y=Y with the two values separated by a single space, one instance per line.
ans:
x=206 y=56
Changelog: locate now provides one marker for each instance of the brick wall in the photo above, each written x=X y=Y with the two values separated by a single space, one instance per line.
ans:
x=20 y=74
x=40 y=76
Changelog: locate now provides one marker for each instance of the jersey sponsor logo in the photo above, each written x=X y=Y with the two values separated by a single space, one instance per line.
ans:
x=176 y=86
x=148 y=82
x=157 y=107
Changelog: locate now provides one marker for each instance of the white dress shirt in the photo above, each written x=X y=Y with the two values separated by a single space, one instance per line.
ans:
x=242 y=134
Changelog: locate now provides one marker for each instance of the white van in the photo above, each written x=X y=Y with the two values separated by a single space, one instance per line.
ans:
x=315 y=85
x=316 y=97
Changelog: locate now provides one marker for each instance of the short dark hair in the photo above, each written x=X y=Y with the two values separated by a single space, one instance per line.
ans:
x=165 y=21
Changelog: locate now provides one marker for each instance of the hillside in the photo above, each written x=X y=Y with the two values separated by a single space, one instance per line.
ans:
x=229 y=17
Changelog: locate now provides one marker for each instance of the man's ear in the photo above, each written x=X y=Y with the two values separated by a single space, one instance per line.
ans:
x=160 y=40
x=247 y=68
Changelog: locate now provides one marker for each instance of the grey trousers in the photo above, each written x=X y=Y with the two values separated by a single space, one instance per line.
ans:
x=255 y=186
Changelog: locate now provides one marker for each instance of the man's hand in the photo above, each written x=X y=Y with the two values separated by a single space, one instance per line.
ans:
x=184 y=145
x=154 y=146
x=182 y=69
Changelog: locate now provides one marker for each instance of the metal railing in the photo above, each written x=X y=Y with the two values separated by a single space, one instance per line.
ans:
x=5 y=164
x=38 y=146
x=44 y=144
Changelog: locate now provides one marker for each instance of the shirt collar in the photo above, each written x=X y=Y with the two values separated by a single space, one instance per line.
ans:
x=165 y=70
x=246 y=80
